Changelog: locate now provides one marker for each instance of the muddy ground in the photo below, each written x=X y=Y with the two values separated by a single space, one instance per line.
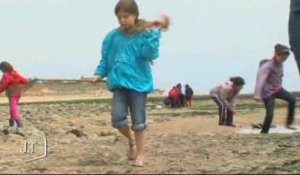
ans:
x=186 y=140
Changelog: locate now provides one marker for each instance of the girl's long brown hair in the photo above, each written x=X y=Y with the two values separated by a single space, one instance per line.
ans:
x=131 y=7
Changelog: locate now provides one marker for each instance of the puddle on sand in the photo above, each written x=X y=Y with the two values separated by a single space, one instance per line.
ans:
x=277 y=130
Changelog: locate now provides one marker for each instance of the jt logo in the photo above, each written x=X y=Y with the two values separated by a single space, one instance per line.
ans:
x=31 y=146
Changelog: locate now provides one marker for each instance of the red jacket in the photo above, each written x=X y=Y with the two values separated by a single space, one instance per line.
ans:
x=11 y=83
x=173 y=93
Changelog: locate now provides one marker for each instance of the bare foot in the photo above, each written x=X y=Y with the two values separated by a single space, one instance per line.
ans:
x=132 y=151
x=138 y=162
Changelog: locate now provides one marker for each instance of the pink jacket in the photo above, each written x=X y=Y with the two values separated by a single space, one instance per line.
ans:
x=11 y=83
x=269 y=79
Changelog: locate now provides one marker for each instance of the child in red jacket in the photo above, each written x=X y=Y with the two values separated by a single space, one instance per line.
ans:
x=174 y=96
x=12 y=82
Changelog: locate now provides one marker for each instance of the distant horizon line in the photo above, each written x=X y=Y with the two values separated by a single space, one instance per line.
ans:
x=159 y=90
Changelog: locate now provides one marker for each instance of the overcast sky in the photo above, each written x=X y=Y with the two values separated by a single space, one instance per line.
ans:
x=208 y=41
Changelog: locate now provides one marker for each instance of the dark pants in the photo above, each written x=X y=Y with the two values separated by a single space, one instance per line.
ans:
x=225 y=115
x=270 y=104
x=294 y=31
x=181 y=101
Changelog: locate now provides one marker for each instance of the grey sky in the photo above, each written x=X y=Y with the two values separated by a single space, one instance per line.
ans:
x=209 y=40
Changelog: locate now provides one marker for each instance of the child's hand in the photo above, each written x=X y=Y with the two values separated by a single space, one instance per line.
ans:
x=161 y=25
x=152 y=63
x=164 y=25
x=232 y=110
x=95 y=79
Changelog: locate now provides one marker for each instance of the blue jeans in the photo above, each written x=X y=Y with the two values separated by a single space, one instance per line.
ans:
x=270 y=104
x=135 y=102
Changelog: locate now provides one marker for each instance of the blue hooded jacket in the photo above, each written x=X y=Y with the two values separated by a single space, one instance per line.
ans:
x=126 y=60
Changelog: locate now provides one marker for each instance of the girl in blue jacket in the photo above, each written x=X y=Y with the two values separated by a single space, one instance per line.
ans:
x=127 y=55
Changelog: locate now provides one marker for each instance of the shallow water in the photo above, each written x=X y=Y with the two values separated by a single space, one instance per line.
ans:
x=277 y=130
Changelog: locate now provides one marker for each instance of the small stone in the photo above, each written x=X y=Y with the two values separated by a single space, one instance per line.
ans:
x=5 y=131
x=106 y=133
x=158 y=107
x=103 y=123
x=64 y=141
x=77 y=132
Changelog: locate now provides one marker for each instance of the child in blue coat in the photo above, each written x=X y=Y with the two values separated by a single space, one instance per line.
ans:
x=127 y=55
